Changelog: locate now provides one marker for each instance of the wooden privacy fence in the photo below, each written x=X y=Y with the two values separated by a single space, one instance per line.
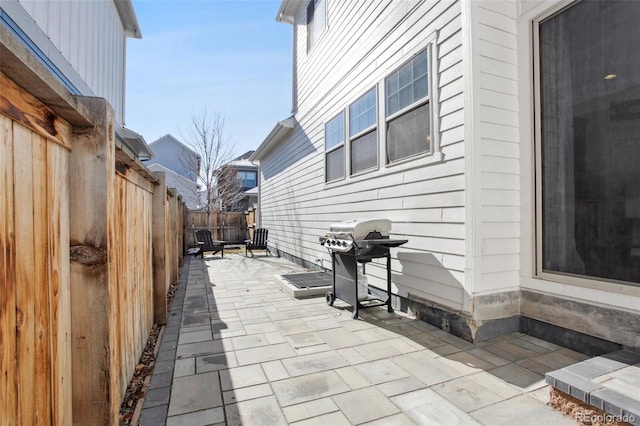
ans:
x=224 y=226
x=251 y=219
x=89 y=243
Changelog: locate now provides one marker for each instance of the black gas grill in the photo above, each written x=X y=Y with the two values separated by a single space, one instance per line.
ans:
x=352 y=244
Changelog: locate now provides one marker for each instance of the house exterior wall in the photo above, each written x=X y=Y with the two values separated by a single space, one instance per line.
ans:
x=607 y=310
x=188 y=189
x=469 y=216
x=501 y=188
x=174 y=155
x=84 y=40
x=362 y=44
x=493 y=152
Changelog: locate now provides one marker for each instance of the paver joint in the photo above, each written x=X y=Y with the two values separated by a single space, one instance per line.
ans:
x=240 y=350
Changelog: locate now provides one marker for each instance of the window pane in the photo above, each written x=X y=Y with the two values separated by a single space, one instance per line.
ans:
x=252 y=179
x=392 y=104
x=310 y=29
x=335 y=165
x=392 y=83
x=590 y=99
x=408 y=134
x=420 y=65
x=421 y=88
x=247 y=179
x=404 y=75
x=334 y=132
x=316 y=21
x=406 y=96
x=362 y=113
x=319 y=17
x=407 y=85
x=364 y=152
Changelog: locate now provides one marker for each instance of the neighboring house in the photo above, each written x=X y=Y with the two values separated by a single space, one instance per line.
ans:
x=500 y=137
x=181 y=165
x=187 y=188
x=176 y=156
x=247 y=180
x=247 y=174
x=83 y=45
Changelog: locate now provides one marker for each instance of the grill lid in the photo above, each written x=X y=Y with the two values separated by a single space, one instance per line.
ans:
x=358 y=229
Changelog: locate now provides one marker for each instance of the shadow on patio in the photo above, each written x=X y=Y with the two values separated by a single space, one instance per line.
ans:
x=246 y=352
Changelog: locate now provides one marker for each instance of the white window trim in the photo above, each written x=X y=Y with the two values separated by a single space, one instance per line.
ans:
x=595 y=283
x=317 y=37
x=434 y=154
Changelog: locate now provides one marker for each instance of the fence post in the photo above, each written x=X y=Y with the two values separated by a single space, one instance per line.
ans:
x=161 y=268
x=172 y=208
x=180 y=230
x=92 y=199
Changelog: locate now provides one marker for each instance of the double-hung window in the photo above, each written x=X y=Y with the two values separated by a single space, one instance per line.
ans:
x=363 y=132
x=247 y=179
x=408 y=130
x=334 y=148
x=316 y=21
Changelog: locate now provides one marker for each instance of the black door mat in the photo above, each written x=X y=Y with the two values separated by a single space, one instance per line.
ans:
x=310 y=279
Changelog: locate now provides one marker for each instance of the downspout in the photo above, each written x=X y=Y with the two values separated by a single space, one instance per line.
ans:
x=259 y=215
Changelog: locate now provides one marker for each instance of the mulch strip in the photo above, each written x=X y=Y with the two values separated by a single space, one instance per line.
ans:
x=582 y=413
x=131 y=406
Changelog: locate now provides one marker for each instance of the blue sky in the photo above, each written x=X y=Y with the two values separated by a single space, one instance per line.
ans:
x=228 y=56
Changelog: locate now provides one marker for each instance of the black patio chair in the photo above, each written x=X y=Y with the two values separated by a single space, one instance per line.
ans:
x=259 y=242
x=206 y=243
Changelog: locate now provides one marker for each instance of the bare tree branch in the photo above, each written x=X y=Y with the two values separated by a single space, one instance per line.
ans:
x=219 y=184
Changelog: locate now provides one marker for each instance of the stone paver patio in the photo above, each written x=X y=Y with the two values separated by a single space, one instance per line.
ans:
x=238 y=350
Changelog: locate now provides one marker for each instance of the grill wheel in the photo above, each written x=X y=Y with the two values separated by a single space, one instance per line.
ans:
x=330 y=298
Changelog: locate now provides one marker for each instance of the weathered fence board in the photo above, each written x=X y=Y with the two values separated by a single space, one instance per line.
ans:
x=25 y=278
x=77 y=276
x=76 y=302
x=34 y=306
x=250 y=217
x=92 y=186
x=59 y=287
x=161 y=270
x=8 y=360
x=133 y=302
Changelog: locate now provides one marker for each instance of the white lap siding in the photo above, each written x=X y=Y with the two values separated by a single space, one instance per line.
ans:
x=424 y=198
x=89 y=35
x=496 y=148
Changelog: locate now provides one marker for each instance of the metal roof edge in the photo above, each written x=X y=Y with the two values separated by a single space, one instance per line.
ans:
x=287 y=11
x=279 y=131
x=135 y=142
x=128 y=17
